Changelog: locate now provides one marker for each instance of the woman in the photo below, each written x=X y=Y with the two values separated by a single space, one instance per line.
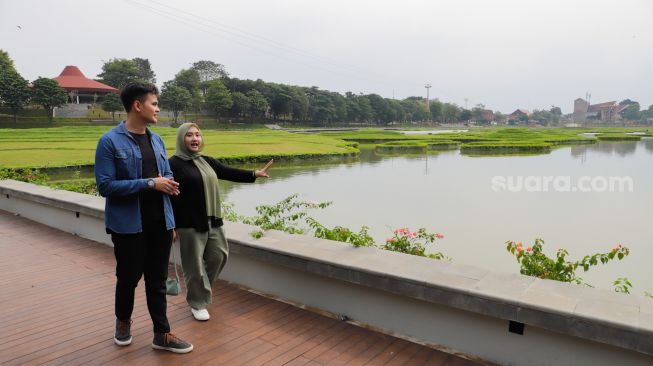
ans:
x=198 y=216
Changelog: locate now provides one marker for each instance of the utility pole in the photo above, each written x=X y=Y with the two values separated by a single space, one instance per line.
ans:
x=428 y=109
x=466 y=102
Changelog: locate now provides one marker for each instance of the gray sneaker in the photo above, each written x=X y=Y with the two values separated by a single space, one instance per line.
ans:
x=168 y=342
x=123 y=336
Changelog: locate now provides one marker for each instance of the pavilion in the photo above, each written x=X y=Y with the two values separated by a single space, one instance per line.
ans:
x=80 y=88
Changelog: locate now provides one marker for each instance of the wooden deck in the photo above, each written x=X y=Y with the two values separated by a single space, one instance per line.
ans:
x=56 y=308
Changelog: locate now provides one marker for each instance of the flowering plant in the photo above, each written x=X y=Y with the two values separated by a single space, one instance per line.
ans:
x=533 y=261
x=413 y=242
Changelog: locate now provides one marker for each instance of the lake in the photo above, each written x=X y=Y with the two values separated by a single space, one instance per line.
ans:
x=563 y=197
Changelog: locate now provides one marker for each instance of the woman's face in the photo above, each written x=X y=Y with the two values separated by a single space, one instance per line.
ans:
x=193 y=139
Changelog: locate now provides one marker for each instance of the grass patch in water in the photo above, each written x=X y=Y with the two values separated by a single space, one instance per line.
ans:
x=618 y=137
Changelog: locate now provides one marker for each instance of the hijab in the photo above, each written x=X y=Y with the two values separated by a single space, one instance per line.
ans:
x=208 y=174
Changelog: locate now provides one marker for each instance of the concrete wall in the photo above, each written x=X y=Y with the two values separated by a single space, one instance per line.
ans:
x=457 y=308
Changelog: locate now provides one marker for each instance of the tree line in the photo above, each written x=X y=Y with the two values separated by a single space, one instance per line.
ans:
x=16 y=92
x=207 y=88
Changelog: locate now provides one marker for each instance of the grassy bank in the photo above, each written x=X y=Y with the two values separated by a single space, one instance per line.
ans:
x=66 y=146
x=491 y=141
x=618 y=137
x=413 y=146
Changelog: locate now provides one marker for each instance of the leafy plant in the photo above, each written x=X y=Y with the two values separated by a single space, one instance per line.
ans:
x=622 y=285
x=409 y=242
x=288 y=215
x=343 y=234
x=284 y=215
x=534 y=262
x=24 y=175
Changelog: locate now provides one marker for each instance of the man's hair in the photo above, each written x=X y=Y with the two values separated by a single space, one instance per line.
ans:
x=134 y=91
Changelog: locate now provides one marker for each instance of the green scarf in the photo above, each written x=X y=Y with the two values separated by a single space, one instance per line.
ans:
x=209 y=176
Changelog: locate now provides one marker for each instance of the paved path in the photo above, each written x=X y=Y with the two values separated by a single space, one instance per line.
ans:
x=56 y=308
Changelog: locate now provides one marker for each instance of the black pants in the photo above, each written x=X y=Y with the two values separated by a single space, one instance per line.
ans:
x=145 y=253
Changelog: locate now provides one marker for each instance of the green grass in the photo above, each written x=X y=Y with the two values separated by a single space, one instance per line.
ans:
x=618 y=137
x=66 y=146
x=491 y=141
x=75 y=145
x=414 y=146
x=506 y=147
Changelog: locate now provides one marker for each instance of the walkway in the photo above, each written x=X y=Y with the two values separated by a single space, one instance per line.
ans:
x=56 y=308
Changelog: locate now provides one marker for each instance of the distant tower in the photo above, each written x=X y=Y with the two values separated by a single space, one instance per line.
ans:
x=581 y=106
x=428 y=109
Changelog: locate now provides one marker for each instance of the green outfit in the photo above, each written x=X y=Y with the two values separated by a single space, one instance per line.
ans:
x=204 y=253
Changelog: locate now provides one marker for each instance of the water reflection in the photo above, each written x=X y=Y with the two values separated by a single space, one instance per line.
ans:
x=621 y=149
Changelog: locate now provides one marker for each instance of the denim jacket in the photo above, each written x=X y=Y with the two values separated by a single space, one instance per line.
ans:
x=118 y=175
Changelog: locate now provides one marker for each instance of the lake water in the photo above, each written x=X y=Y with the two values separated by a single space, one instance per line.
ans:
x=461 y=197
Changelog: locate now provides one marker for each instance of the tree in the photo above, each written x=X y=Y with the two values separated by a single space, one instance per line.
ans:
x=241 y=105
x=175 y=98
x=145 y=72
x=6 y=63
x=258 y=105
x=218 y=98
x=436 y=110
x=556 y=111
x=499 y=117
x=543 y=117
x=298 y=103
x=111 y=103
x=380 y=107
x=188 y=79
x=465 y=115
x=450 y=112
x=556 y=114
x=14 y=91
x=47 y=93
x=207 y=71
x=632 y=112
x=120 y=72
x=477 y=114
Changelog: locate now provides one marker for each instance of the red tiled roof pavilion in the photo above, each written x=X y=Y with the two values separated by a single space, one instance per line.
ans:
x=72 y=78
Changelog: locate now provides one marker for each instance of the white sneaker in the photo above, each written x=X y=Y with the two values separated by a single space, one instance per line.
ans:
x=201 y=314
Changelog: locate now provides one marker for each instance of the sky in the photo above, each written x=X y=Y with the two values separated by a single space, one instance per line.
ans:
x=503 y=54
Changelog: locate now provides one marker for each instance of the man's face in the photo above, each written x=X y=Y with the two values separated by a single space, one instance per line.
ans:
x=149 y=109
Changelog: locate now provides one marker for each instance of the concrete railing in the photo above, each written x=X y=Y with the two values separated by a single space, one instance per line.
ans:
x=484 y=315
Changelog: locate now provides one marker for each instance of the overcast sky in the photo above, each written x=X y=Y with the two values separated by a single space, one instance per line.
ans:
x=504 y=54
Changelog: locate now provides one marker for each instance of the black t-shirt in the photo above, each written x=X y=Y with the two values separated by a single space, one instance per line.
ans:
x=151 y=200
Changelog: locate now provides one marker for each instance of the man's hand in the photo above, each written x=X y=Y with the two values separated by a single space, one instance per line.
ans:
x=263 y=173
x=167 y=186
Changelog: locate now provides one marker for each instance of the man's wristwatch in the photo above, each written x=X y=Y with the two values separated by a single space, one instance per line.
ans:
x=150 y=183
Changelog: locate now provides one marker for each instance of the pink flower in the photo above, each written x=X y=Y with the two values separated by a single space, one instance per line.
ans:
x=529 y=249
x=439 y=236
x=400 y=231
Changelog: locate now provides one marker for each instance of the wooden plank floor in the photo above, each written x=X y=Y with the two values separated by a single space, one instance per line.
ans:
x=56 y=308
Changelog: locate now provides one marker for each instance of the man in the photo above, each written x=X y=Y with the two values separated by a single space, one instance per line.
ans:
x=132 y=172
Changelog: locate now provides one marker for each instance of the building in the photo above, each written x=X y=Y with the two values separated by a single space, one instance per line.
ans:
x=518 y=114
x=80 y=88
x=602 y=112
x=488 y=115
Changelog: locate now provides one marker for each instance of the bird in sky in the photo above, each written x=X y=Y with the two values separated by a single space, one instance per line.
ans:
x=19 y=27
